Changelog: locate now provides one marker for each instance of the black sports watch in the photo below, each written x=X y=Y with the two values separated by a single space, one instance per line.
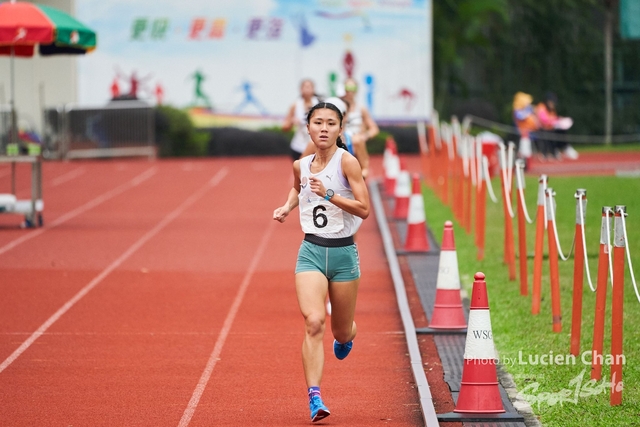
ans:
x=328 y=195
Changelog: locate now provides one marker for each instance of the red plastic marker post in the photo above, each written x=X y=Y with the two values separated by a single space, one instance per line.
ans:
x=601 y=295
x=425 y=165
x=509 y=250
x=468 y=185
x=481 y=211
x=445 y=166
x=522 y=232
x=617 y=302
x=454 y=158
x=539 y=246
x=458 y=186
x=553 y=264
x=578 y=272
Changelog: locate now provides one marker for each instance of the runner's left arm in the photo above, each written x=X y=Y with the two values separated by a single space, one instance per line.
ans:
x=352 y=171
x=361 y=153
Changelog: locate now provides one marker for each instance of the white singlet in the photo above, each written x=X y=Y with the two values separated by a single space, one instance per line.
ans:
x=354 y=120
x=300 y=137
x=319 y=216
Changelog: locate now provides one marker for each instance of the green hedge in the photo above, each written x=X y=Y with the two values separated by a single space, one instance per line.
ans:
x=176 y=135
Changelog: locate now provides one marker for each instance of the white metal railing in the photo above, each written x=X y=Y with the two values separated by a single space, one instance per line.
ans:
x=123 y=128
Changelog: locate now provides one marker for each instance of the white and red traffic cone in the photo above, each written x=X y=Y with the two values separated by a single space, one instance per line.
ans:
x=389 y=149
x=448 y=312
x=402 y=194
x=416 y=240
x=391 y=172
x=479 y=390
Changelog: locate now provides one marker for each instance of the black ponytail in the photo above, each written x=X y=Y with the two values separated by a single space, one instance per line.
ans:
x=341 y=144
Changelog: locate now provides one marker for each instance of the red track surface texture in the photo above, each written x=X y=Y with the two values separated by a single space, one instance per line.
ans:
x=161 y=294
x=588 y=164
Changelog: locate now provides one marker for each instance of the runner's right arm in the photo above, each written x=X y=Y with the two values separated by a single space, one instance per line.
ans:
x=280 y=214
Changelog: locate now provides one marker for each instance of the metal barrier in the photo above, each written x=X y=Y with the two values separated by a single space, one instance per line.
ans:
x=5 y=126
x=53 y=133
x=125 y=128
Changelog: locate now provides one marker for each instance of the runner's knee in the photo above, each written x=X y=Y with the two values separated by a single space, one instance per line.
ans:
x=315 y=324
x=343 y=334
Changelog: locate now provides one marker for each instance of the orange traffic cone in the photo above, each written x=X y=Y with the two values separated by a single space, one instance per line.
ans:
x=402 y=194
x=479 y=391
x=391 y=171
x=448 y=312
x=416 y=240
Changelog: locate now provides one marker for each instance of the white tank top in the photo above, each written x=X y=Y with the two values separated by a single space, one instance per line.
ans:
x=319 y=216
x=354 y=120
x=300 y=137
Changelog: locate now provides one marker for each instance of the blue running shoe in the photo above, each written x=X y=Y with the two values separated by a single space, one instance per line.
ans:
x=342 y=350
x=318 y=410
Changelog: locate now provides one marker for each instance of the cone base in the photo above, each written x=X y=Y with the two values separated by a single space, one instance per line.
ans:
x=479 y=391
x=480 y=418
x=460 y=411
x=448 y=312
x=416 y=238
x=443 y=331
x=416 y=243
x=401 y=210
x=456 y=326
x=389 y=186
x=479 y=399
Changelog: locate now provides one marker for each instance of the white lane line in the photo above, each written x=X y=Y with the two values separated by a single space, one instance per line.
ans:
x=115 y=264
x=226 y=327
x=81 y=209
x=68 y=176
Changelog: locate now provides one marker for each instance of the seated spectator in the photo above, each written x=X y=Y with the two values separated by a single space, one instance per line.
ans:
x=526 y=122
x=551 y=122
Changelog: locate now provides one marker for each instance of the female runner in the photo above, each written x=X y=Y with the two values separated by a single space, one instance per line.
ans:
x=333 y=200
x=297 y=117
x=360 y=125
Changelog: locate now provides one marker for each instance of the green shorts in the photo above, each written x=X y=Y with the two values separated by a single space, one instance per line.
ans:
x=337 y=264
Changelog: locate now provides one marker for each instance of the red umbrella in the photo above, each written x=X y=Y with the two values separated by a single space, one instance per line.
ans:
x=25 y=25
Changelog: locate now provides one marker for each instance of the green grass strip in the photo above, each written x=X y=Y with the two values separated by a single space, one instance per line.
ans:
x=522 y=338
x=614 y=148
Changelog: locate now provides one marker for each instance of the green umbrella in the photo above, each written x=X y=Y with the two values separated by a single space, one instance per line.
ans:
x=25 y=25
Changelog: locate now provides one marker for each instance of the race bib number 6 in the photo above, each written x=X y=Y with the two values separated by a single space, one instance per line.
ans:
x=320 y=216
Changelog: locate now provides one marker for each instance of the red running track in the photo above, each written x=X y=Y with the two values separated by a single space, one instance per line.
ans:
x=161 y=294
x=595 y=163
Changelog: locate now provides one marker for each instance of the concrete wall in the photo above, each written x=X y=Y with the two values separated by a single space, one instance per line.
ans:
x=40 y=81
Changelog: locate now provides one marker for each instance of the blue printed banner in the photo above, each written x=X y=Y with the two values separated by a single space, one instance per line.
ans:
x=248 y=56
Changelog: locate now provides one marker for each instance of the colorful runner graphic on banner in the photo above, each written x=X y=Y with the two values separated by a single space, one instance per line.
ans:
x=249 y=99
x=198 y=92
